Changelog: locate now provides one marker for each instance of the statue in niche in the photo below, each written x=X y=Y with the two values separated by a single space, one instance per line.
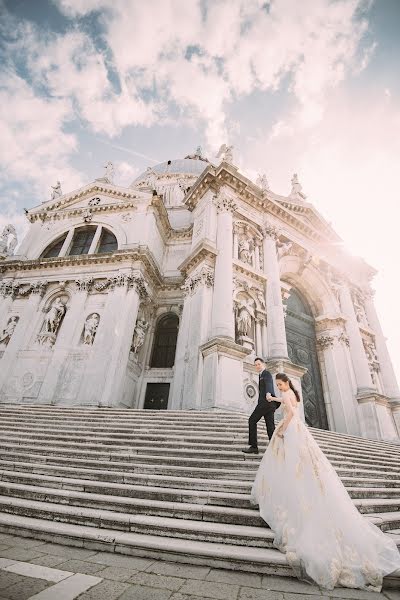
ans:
x=57 y=191
x=283 y=248
x=54 y=316
x=139 y=335
x=8 y=241
x=246 y=250
x=245 y=314
x=90 y=328
x=6 y=334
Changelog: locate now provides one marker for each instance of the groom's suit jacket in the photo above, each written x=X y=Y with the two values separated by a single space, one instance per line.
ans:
x=266 y=384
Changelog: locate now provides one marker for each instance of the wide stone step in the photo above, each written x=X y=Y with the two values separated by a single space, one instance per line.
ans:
x=179 y=458
x=164 y=469
x=164 y=450
x=160 y=445
x=222 y=497
x=247 y=473
x=78 y=507
x=253 y=559
x=63 y=475
x=209 y=440
x=214 y=506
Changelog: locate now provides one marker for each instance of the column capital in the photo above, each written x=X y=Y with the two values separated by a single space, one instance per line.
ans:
x=271 y=231
x=224 y=202
x=204 y=276
x=84 y=284
x=137 y=281
x=8 y=288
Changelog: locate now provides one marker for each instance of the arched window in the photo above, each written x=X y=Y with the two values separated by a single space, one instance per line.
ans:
x=54 y=248
x=165 y=342
x=81 y=242
x=108 y=242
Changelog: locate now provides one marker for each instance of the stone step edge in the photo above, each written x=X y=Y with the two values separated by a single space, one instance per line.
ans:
x=240 y=484
x=69 y=483
x=130 y=457
x=261 y=532
x=61 y=462
x=364 y=446
x=219 y=413
x=242 y=424
x=265 y=561
x=168 y=446
x=57 y=496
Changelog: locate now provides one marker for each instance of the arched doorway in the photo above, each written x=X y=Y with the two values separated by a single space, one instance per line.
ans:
x=165 y=337
x=300 y=335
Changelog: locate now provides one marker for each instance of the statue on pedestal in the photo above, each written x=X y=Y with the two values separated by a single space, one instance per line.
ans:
x=57 y=192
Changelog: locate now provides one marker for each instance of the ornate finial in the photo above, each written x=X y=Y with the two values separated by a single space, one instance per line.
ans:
x=297 y=190
x=226 y=153
x=198 y=151
x=262 y=182
x=57 y=191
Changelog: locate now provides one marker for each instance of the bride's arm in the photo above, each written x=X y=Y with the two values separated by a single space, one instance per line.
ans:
x=289 y=412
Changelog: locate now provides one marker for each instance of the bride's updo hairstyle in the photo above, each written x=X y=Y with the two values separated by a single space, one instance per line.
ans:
x=285 y=378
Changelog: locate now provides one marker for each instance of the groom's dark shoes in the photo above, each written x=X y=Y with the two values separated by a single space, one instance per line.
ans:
x=250 y=450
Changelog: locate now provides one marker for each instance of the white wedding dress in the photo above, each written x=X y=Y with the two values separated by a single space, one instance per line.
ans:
x=315 y=522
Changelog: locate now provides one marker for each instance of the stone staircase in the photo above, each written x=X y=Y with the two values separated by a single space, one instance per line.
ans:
x=164 y=484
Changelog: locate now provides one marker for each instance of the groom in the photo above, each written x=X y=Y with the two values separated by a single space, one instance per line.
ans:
x=265 y=408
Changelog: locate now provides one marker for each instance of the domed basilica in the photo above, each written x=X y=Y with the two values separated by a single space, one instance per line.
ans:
x=160 y=295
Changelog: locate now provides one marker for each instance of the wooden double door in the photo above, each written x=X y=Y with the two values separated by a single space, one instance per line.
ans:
x=302 y=349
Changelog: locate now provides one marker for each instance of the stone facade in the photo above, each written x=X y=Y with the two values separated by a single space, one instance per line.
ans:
x=161 y=294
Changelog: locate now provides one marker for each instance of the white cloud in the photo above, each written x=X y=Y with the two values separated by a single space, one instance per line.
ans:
x=35 y=148
x=237 y=47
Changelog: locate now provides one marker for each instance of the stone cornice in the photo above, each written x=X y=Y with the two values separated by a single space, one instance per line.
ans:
x=327 y=322
x=166 y=230
x=80 y=210
x=252 y=195
x=120 y=258
x=224 y=346
x=248 y=271
x=67 y=199
x=203 y=251
x=374 y=397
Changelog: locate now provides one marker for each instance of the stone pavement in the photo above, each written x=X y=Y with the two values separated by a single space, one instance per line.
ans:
x=37 y=570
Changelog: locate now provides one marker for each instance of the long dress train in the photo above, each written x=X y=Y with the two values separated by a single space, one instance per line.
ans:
x=315 y=522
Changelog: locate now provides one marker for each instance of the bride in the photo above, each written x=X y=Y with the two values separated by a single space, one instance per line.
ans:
x=316 y=524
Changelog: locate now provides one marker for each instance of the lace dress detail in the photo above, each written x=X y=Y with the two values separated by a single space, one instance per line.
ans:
x=315 y=522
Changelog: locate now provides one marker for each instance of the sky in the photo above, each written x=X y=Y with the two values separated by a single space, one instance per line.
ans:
x=310 y=87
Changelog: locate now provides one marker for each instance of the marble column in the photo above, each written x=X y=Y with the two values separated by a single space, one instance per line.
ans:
x=22 y=331
x=264 y=340
x=72 y=325
x=357 y=350
x=7 y=294
x=390 y=384
x=125 y=323
x=235 y=245
x=340 y=404
x=277 y=346
x=222 y=318
x=259 y=346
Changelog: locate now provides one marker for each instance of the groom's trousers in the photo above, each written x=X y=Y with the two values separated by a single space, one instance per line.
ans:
x=261 y=411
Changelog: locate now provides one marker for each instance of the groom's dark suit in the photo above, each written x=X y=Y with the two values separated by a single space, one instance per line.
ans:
x=263 y=409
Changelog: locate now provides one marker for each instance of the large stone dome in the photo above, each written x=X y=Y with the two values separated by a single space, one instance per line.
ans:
x=172 y=178
x=191 y=166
